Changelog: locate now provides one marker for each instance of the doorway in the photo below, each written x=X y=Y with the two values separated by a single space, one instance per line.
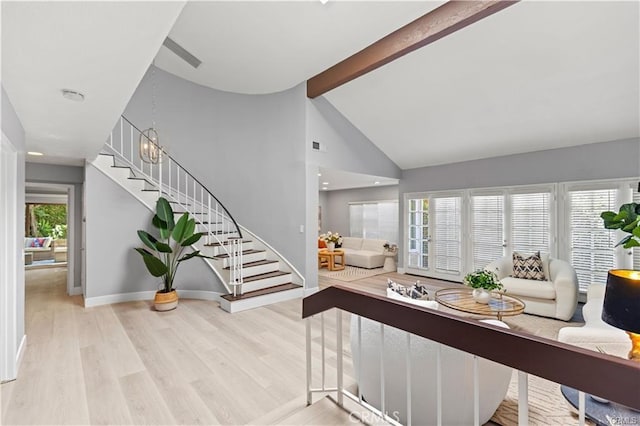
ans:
x=49 y=230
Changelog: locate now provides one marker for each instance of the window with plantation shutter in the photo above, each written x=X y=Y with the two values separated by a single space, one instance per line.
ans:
x=447 y=234
x=487 y=229
x=531 y=222
x=374 y=220
x=591 y=245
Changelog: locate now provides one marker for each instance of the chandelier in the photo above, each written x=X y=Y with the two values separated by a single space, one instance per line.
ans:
x=149 y=147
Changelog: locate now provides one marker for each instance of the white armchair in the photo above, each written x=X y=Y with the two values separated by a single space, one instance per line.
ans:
x=555 y=298
x=596 y=333
x=457 y=377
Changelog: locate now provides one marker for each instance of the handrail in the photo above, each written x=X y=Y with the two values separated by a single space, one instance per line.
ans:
x=609 y=377
x=192 y=177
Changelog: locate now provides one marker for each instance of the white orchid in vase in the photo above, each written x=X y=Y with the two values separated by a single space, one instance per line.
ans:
x=331 y=237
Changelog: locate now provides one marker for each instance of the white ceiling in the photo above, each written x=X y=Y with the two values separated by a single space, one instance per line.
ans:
x=101 y=49
x=537 y=75
x=339 y=179
x=534 y=76
x=265 y=47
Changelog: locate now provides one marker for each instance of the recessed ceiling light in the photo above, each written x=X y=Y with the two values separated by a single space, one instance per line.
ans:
x=325 y=183
x=324 y=1
x=319 y=174
x=324 y=188
x=35 y=153
x=72 y=95
x=376 y=183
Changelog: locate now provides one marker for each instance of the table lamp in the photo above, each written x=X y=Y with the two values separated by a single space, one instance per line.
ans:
x=621 y=307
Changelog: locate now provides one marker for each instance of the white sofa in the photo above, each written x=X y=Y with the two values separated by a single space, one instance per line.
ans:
x=555 y=298
x=595 y=332
x=457 y=377
x=363 y=253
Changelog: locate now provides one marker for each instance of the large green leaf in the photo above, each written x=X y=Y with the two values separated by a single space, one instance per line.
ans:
x=190 y=255
x=162 y=226
x=164 y=248
x=190 y=229
x=154 y=265
x=163 y=209
x=165 y=212
x=191 y=240
x=180 y=228
x=148 y=239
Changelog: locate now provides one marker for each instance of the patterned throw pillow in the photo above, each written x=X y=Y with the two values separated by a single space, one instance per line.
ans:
x=529 y=268
x=416 y=291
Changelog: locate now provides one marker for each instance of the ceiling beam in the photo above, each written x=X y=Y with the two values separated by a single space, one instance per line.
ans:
x=440 y=22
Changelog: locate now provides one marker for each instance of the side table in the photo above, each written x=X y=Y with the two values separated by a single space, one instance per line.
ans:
x=602 y=414
x=389 y=261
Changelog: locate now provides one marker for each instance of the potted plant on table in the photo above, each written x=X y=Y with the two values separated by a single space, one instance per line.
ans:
x=167 y=250
x=331 y=238
x=483 y=283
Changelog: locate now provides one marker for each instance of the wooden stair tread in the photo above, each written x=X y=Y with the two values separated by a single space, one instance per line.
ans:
x=262 y=292
x=225 y=243
x=252 y=278
x=256 y=263
x=225 y=256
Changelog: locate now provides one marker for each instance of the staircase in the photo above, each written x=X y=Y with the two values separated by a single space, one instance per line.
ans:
x=252 y=272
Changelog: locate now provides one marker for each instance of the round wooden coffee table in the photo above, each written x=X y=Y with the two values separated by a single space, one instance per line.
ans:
x=460 y=299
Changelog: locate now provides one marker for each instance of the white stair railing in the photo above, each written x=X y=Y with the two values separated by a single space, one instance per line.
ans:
x=176 y=184
x=579 y=370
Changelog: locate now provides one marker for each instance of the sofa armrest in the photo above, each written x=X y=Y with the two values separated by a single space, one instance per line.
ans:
x=565 y=282
x=503 y=267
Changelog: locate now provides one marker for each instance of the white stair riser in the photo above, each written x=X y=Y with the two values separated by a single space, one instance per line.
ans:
x=266 y=282
x=255 y=270
x=216 y=250
x=246 y=258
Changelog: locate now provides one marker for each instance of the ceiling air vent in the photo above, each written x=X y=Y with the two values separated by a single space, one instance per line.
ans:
x=317 y=146
x=181 y=52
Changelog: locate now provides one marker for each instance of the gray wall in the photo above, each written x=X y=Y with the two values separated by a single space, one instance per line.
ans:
x=323 y=197
x=248 y=150
x=604 y=160
x=112 y=218
x=337 y=216
x=12 y=128
x=67 y=175
x=347 y=148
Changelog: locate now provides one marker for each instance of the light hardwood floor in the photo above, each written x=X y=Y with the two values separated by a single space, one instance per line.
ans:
x=127 y=364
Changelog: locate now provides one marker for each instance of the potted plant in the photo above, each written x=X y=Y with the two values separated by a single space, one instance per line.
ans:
x=331 y=238
x=482 y=282
x=390 y=248
x=163 y=255
x=625 y=220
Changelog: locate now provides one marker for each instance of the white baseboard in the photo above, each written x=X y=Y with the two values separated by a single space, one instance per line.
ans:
x=148 y=295
x=200 y=295
x=401 y=270
x=76 y=291
x=118 y=298
x=21 y=350
x=310 y=291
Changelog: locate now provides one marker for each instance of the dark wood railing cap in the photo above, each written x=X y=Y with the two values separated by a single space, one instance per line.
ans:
x=610 y=377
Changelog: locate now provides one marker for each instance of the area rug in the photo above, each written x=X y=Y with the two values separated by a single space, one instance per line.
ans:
x=547 y=406
x=350 y=273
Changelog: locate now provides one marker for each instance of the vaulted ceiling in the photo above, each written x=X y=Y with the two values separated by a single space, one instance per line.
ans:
x=536 y=75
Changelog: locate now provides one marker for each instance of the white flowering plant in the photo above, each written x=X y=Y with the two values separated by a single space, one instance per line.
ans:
x=331 y=237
